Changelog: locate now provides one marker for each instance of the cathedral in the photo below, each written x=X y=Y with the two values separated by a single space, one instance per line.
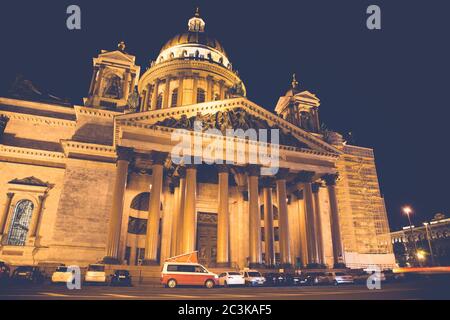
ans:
x=81 y=184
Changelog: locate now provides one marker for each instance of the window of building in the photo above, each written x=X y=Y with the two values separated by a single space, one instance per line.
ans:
x=159 y=101
x=20 y=223
x=201 y=95
x=174 y=101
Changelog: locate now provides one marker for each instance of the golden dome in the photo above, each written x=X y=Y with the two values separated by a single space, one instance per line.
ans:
x=199 y=38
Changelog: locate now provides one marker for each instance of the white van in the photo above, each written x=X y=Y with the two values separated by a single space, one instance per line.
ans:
x=95 y=274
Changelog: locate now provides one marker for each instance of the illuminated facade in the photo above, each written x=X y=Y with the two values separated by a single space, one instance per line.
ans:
x=80 y=184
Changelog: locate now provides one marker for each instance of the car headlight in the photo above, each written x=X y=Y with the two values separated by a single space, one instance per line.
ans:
x=216 y=277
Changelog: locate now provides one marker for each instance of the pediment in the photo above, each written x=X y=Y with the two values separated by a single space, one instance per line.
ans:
x=30 y=181
x=238 y=113
x=116 y=55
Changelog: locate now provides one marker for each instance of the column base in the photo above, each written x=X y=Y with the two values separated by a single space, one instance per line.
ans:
x=111 y=260
x=253 y=265
x=150 y=263
x=340 y=265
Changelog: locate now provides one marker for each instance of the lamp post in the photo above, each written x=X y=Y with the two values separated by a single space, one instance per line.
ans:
x=427 y=225
x=407 y=210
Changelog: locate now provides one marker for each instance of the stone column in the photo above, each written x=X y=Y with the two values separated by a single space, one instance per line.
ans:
x=190 y=213
x=223 y=226
x=126 y=84
x=194 y=90
x=338 y=253
x=147 y=99
x=182 y=201
x=209 y=90
x=155 y=95
x=254 y=215
x=302 y=226
x=318 y=223
x=6 y=210
x=269 y=239
x=175 y=218
x=99 y=80
x=285 y=252
x=222 y=89
x=34 y=225
x=180 y=90
x=166 y=94
x=154 y=210
x=112 y=246
x=94 y=76
x=306 y=178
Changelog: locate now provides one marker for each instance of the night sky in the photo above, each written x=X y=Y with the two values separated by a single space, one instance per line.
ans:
x=389 y=87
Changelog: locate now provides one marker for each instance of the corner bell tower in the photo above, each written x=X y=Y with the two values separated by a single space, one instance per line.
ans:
x=114 y=79
x=301 y=108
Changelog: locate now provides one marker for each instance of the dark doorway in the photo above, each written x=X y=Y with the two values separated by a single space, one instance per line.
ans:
x=207 y=238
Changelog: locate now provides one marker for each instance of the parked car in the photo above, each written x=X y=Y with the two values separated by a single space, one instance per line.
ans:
x=121 y=278
x=319 y=278
x=231 y=278
x=338 y=278
x=305 y=279
x=96 y=274
x=187 y=274
x=253 y=278
x=28 y=274
x=360 y=276
x=276 y=279
x=4 y=272
x=61 y=275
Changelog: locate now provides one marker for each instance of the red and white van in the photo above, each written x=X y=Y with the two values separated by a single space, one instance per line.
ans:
x=187 y=274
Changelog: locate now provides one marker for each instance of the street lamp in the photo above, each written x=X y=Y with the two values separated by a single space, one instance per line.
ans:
x=408 y=210
x=427 y=225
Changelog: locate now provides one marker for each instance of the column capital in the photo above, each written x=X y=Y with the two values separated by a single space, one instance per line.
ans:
x=124 y=153
x=316 y=187
x=159 y=158
x=330 y=179
x=223 y=168
x=10 y=195
x=282 y=174
x=305 y=176
x=253 y=170
x=299 y=194
x=267 y=182
x=182 y=172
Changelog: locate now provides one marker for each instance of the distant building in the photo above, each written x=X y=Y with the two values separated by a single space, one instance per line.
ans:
x=435 y=234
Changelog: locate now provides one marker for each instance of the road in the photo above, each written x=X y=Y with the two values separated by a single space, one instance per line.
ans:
x=422 y=289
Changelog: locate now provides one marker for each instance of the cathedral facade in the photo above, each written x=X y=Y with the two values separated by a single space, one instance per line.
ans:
x=98 y=182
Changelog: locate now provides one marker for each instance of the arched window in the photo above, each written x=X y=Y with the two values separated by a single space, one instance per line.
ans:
x=159 y=101
x=174 y=101
x=140 y=203
x=201 y=95
x=20 y=223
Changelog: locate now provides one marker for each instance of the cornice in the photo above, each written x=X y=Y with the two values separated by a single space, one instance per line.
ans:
x=9 y=152
x=39 y=119
x=93 y=112
x=89 y=149
x=161 y=69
